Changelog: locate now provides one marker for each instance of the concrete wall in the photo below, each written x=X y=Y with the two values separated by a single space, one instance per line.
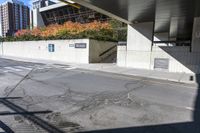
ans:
x=121 y=55
x=140 y=36
x=98 y=47
x=180 y=58
x=139 y=45
x=39 y=50
x=139 y=52
x=65 y=50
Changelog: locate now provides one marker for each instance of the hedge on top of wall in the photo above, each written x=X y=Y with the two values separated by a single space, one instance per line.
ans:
x=96 y=30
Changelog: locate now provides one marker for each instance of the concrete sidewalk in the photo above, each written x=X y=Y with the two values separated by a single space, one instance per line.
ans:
x=113 y=68
x=155 y=74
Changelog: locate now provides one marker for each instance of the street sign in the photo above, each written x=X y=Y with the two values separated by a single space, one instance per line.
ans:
x=80 y=45
x=51 y=48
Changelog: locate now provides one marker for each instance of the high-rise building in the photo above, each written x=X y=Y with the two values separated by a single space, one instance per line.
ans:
x=14 y=16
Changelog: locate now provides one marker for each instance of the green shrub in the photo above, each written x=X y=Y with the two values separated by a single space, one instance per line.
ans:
x=100 y=34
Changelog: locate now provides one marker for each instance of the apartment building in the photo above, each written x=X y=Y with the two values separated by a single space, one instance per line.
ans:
x=14 y=16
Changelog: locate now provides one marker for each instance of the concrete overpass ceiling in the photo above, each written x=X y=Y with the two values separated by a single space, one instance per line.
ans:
x=131 y=10
x=173 y=16
x=197 y=9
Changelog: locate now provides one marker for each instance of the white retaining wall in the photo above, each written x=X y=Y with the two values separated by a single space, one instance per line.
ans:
x=121 y=55
x=65 y=50
x=180 y=58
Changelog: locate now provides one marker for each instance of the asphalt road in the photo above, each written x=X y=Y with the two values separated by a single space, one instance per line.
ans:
x=80 y=100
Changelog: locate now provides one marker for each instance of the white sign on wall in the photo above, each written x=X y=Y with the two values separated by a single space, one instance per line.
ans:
x=71 y=45
x=80 y=45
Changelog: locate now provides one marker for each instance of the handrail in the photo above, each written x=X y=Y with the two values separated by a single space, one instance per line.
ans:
x=106 y=51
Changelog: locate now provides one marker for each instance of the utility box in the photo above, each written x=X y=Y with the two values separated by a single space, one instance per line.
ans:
x=161 y=63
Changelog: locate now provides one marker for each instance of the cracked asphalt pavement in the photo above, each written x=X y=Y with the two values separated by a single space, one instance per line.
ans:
x=82 y=100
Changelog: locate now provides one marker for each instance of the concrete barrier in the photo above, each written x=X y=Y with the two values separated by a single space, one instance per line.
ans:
x=71 y=51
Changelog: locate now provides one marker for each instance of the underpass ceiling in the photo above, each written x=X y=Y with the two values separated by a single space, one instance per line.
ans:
x=172 y=16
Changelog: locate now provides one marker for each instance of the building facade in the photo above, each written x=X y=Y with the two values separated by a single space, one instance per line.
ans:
x=14 y=16
x=46 y=12
x=41 y=3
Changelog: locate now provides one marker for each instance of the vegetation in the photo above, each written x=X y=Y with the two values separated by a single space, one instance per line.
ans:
x=119 y=29
x=96 y=30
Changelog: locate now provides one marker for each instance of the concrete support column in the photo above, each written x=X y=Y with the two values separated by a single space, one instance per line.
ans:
x=140 y=36
x=37 y=18
x=196 y=35
x=139 y=45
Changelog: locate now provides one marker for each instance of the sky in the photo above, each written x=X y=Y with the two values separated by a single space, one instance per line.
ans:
x=27 y=2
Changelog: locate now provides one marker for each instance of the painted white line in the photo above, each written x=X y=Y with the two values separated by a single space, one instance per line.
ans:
x=12 y=69
x=40 y=68
x=48 y=67
x=44 y=67
x=190 y=108
x=70 y=68
x=22 y=67
x=30 y=66
x=187 y=108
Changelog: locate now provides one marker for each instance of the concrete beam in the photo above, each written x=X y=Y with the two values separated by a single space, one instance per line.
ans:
x=196 y=35
x=51 y=7
x=88 y=5
x=37 y=19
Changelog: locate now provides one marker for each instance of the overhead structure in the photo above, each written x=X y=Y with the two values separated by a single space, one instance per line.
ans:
x=70 y=3
x=172 y=16
x=157 y=23
x=46 y=12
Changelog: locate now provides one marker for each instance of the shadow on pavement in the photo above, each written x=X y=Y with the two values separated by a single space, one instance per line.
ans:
x=5 y=128
x=185 y=127
x=30 y=116
x=10 y=62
